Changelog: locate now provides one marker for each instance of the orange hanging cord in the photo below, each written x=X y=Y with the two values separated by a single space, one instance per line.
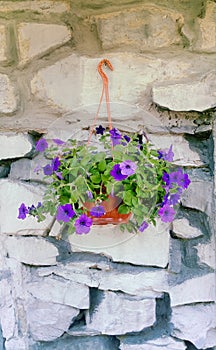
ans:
x=105 y=89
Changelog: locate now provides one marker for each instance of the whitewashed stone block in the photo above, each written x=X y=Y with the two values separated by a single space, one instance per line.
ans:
x=8 y=100
x=59 y=291
x=133 y=314
x=14 y=145
x=196 y=323
x=3 y=48
x=194 y=290
x=150 y=248
x=31 y=250
x=48 y=321
x=195 y=96
x=12 y=194
x=183 y=229
x=144 y=27
x=207 y=253
x=164 y=342
x=41 y=6
x=35 y=39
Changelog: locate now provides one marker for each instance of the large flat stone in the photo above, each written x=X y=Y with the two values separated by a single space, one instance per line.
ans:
x=31 y=250
x=143 y=27
x=196 y=323
x=150 y=248
x=35 y=39
x=206 y=30
x=51 y=289
x=14 y=145
x=12 y=194
x=183 y=229
x=207 y=253
x=189 y=96
x=8 y=99
x=48 y=321
x=139 y=313
x=165 y=342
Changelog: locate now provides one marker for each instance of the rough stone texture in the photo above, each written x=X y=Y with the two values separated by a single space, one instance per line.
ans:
x=194 y=290
x=26 y=169
x=55 y=290
x=199 y=196
x=8 y=100
x=183 y=229
x=3 y=41
x=35 y=39
x=48 y=321
x=31 y=250
x=142 y=72
x=139 y=314
x=195 y=96
x=164 y=342
x=41 y=6
x=14 y=145
x=80 y=343
x=207 y=253
x=207 y=30
x=12 y=194
x=150 y=248
x=196 y=323
x=144 y=27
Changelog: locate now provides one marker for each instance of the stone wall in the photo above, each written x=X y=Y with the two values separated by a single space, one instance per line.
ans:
x=108 y=290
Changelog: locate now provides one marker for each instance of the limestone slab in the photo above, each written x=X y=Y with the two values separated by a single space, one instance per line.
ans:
x=41 y=6
x=196 y=323
x=51 y=289
x=207 y=253
x=8 y=99
x=165 y=342
x=150 y=248
x=145 y=27
x=195 y=96
x=48 y=321
x=12 y=194
x=31 y=250
x=35 y=38
x=14 y=145
x=139 y=313
x=183 y=229
x=206 y=30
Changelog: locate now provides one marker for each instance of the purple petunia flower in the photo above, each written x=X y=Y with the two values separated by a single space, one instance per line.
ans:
x=97 y=211
x=65 y=213
x=127 y=138
x=176 y=177
x=175 y=197
x=100 y=130
x=58 y=142
x=117 y=174
x=59 y=175
x=165 y=199
x=143 y=226
x=166 y=178
x=115 y=136
x=55 y=164
x=41 y=145
x=166 y=213
x=185 y=181
x=83 y=224
x=127 y=167
x=23 y=211
x=47 y=169
x=89 y=194
x=166 y=154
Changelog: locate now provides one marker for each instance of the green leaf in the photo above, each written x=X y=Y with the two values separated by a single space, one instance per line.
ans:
x=124 y=209
x=96 y=179
x=127 y=197
x=102 y=165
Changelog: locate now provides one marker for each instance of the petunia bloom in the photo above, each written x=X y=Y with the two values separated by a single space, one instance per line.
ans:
x=23 y=211
x=117 y=174
x=58 y=142
x=166 y=154
x=48 y=170
x=97 y=211
x=127 y=138
x=83 y=224
x=185 y=181
x=55 y=164
x=166 y=213
x=143 y=226
x=127 y=167
x=65 y=213
x=100 y=130
x=115 y=136
x=41 y=145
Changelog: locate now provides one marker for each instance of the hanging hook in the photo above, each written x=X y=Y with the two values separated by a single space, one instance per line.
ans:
x=101 y=72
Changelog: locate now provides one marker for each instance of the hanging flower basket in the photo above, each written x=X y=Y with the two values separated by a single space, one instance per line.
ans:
x=127 y=182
